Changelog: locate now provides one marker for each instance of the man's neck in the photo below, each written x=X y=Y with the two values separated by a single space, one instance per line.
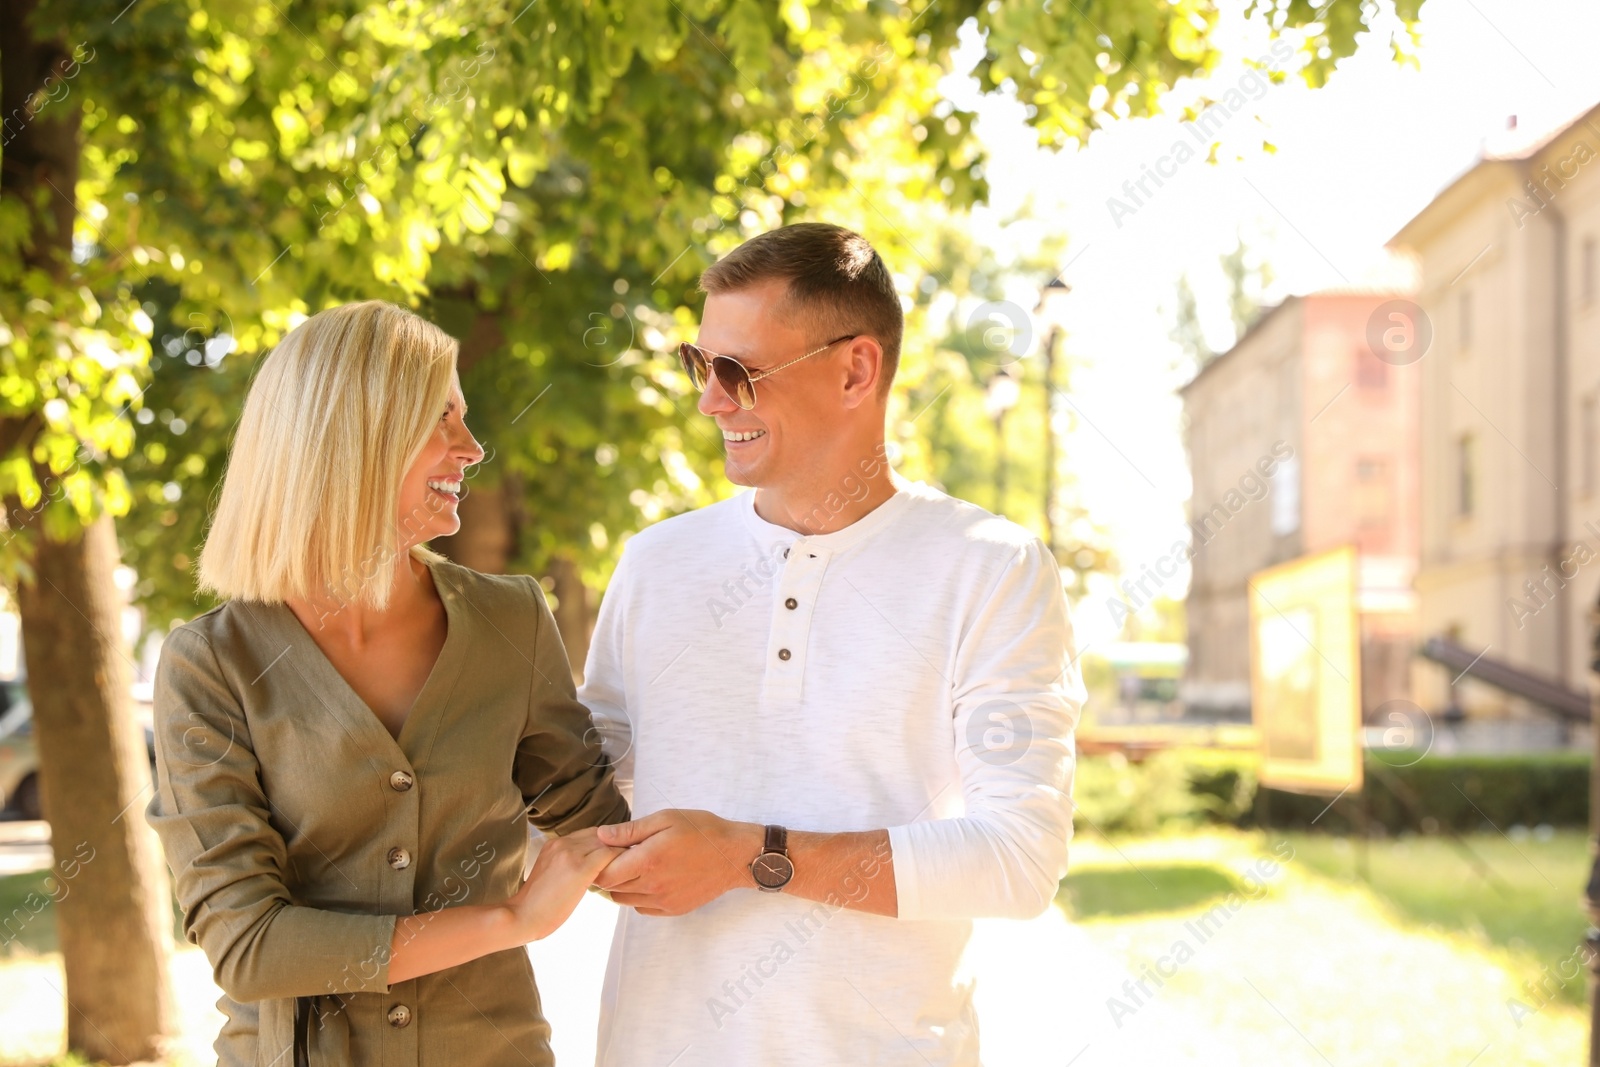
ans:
x=825 y=506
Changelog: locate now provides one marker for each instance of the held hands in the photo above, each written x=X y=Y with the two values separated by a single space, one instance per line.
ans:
x=668 y=863
x=674 y=861
x=561 y=875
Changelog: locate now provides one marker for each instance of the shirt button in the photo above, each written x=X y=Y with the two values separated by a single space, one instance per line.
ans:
x=783 y=653
x=399 y=859
x=791 y=603
x=400 y=781
x=399 y=1016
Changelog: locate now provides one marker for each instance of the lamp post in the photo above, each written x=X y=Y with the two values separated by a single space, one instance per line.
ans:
x=1001 y=396
x=1051 y=310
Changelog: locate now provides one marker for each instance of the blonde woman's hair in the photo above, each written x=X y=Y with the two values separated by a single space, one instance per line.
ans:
x=338 y=413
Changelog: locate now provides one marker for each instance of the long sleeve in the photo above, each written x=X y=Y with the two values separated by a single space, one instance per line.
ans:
x=1017 y=698
x=213 y=818
x=561 y=768
x=605 y=681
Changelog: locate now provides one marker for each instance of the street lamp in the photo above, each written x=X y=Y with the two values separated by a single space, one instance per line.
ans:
x=1001 y=396
x=1051 y=310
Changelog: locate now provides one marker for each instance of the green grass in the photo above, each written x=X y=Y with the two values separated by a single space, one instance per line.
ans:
x=27 y=918
x=1353 y=971
x=1106 y=893
x=26 y=928
x=1528 y=900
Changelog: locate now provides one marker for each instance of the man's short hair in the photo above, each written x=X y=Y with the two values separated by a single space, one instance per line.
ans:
x=836 y=280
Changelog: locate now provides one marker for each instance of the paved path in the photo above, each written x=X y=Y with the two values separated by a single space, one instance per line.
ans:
x=24 y=846
x=1317 y=976
x=1042 y=991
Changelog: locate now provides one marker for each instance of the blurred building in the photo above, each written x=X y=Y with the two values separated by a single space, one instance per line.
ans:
x=1300 y=439
x=1510 y=434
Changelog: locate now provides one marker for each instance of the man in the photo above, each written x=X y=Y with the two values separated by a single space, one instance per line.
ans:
x=842 y=707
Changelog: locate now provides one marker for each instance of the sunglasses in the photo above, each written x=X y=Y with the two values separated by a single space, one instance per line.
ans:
x=734 y=378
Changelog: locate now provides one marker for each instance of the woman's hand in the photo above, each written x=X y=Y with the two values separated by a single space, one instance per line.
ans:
x=565 y=869
x=432 y=941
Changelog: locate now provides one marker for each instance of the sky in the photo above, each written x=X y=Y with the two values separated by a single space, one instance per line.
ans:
x=1354 y=161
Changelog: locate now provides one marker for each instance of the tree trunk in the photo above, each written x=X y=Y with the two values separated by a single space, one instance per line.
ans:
x=115 y=917
x=489 y=511
x=113 y=909
x=572 y=611
x=492 y=520
x=492 y=516
x=487 y=540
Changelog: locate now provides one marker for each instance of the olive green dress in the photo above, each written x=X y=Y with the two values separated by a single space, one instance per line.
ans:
x=298 y=828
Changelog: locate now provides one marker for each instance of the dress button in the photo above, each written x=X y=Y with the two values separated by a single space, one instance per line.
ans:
x=400 y=781
x=791 y=603
x=783 y=653
x=399 y=859
x=399 y=1016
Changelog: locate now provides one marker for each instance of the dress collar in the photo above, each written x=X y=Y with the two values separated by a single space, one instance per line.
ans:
x=295 y=648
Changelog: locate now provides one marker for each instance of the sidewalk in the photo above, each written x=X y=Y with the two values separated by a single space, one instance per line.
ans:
x=1041 y=998
x=24 y=846
x=1314 y=975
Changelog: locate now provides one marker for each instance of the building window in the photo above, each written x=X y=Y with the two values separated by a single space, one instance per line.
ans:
x=1286 y=497
x=1372 y=496
x=1588 y=438
x=1466 y=319
x=1372 y=374
x=1466 y=475
x=1586 y=267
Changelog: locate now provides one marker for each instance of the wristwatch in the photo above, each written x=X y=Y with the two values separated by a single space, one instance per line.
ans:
x=773 y=868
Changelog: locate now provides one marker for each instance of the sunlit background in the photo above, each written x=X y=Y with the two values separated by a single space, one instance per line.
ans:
x=1269 y=866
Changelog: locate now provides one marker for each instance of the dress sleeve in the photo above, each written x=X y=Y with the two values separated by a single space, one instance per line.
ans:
x=561 y=768
x=1017 y=695
x=213 y=819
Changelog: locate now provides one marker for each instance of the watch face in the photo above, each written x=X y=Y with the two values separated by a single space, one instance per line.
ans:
x=772 y=870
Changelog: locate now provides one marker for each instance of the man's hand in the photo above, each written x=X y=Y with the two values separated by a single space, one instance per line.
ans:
x=678 y=860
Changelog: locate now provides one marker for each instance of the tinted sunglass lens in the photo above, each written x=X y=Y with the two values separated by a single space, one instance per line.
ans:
x=694 y=364
x=735 y=382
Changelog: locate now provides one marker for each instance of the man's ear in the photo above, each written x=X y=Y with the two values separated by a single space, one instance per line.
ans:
x=863 y=371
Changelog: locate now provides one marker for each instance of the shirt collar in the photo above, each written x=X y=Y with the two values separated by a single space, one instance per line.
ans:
x=771 y=536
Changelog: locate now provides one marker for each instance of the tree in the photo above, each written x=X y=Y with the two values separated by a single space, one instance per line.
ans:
x=556 y=222
x=544 y=179
x=962 y=336
x=1187 y=331
x=1249 y=278
x=69 y=356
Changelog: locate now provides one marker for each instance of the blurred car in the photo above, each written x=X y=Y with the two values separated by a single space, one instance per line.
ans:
x=19 y=758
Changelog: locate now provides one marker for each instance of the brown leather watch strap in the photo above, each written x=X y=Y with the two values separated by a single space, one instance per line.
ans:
x=777 y=840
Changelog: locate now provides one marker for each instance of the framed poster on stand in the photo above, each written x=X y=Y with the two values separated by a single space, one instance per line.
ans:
x=1305 y=673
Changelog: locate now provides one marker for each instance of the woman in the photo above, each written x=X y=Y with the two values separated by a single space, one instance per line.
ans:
x=349 y=749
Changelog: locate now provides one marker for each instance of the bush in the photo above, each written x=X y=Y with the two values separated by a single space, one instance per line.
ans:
x=1115 y=795
x=1463 y=793
x=1185 y=787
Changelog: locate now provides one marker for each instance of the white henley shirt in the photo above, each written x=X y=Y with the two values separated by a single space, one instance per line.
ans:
x=913 y=671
